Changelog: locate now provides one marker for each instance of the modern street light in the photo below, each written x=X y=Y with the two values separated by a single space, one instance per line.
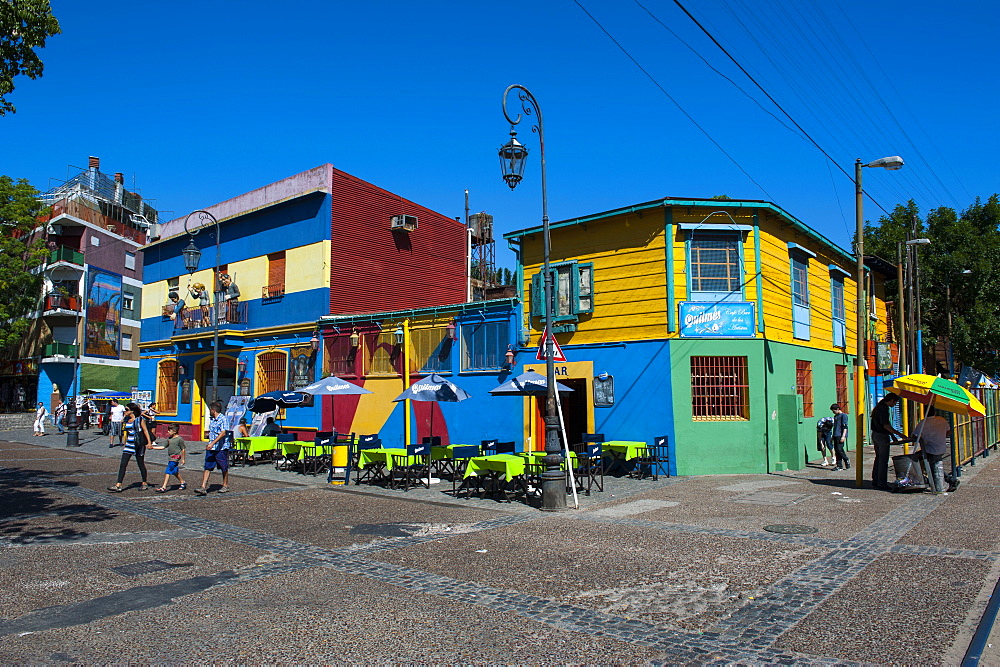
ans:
x=513 y=157
x=191 y=258
x=891 y=163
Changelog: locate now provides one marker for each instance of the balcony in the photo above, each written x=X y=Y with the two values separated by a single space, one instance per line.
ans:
x=272 y=293
x=230 y=314
x=55 y=352
x=57 y=305
x=66 y=254
x=65 y=264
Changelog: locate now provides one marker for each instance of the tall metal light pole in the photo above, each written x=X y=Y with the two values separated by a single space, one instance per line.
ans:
x=191 y=258
x=890 y=163
x=513 y=156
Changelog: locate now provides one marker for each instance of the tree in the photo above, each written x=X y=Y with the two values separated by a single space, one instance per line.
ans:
x=24 y=26
x=20 y=251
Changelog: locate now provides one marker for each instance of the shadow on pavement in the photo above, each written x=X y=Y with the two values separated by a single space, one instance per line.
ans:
x=24 y=498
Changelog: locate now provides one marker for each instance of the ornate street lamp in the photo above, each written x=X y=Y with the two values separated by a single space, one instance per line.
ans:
x=192 y=256
x=513 y=156
x=860 y=380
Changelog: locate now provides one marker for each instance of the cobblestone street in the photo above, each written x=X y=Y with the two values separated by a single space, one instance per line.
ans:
x=287 y=569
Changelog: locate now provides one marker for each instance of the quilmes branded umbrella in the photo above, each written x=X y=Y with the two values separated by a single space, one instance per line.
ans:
x=528 y=383
x=937 y=392
x=433 y=388
x=333 y=386
x=273 y=400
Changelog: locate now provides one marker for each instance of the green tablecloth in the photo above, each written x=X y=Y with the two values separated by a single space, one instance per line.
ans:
x=511 y=465
x=625 y=450
x=446 y=451
x=384 y=455
x=291 y=447
x=257 y=445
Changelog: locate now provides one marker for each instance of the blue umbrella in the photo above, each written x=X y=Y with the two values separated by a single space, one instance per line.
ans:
x=528 y=383
x=433 y=388
x=273 y=400
x=333 y=386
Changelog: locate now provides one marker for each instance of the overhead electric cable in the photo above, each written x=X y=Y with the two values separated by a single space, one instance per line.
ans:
x=676 y=103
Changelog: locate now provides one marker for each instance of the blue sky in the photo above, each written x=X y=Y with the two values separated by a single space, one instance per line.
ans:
x=197 y=102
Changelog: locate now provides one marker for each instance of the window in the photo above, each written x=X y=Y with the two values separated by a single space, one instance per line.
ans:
x=800 y=296
x=384 y=356
x=484 y=345
x=340 y=356
x=719 y=389
x=128 y=302
x=173 y=284
x=95 y=240
x=839 y=313
x=714 y=266
x=275 y=288
x=431 y=350
x=272 y=372
x=843 y=398
x=166 y=387
x=804 y=385
x=126 y=342
x=129 y=260
x=573 y=294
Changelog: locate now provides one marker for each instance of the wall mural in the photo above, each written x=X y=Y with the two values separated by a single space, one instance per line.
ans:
x=103 y=322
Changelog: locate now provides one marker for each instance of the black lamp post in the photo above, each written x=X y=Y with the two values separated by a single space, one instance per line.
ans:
x=192 y=256
x=513 y=156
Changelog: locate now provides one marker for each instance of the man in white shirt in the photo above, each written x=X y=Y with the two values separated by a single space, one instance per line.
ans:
x=934 y=431
x=117 y=423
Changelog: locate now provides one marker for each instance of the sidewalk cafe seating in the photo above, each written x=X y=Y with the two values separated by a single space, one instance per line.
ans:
x=531 y=480
x=258 y=448
x=365 y=473
x=492 y=468
x=622 y=452
x=488 y=446
x=289 y=451
x=460 y=456
x=651 y=457
x=412 y=467
x=492 y=447
x=588 y=469
x=317 y=455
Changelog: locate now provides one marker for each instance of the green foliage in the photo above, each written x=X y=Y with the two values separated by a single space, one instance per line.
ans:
x=19 y=253
x=24 y=26
x=969 y=241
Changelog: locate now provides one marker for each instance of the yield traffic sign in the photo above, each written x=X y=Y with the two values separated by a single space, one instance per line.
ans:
x=557 y=353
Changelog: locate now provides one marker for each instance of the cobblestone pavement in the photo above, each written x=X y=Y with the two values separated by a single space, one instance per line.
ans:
x=791 y=568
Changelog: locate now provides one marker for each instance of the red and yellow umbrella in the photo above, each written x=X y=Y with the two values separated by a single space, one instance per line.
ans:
x=937 y=392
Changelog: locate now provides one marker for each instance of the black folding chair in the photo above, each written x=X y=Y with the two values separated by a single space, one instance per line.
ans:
x=487 y=447
x=459 y=464
x=651 y=458
x=588 y=468
x=285 y=462
x=412 y=468
x=370 y=473
x=314 y=457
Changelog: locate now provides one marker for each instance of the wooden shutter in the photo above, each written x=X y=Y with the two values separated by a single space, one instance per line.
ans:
x=166 y=387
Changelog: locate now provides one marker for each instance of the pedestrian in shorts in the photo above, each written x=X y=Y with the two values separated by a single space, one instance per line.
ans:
x=220 y=440
x=175 y=453
x=116 y=431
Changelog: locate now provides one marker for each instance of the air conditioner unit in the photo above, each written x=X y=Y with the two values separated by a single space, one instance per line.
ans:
x=405 y=223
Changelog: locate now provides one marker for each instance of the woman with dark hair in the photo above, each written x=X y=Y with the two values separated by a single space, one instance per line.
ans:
x=137 y=437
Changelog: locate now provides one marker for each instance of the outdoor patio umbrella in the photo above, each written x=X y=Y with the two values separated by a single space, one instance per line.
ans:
x=937 y=392
x=433 y=388
x=333 y=386
x=528 y=383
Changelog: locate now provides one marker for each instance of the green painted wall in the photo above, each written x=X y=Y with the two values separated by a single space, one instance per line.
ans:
x=116 y=378
x=777 y=436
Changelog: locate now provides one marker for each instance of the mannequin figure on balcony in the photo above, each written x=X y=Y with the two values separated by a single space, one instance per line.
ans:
x=198 y=317
x=229 y=294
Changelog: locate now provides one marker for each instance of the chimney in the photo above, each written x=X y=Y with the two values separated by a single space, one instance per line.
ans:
x=95 y=162
x=119 y=187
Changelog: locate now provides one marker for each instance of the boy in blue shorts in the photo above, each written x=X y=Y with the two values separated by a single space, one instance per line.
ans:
x=175 y=451
x=220 y=439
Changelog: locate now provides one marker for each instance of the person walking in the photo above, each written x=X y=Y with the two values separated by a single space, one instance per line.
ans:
x=117 y=422
x=137 y=437
x=839 y=437
x=175 y=452
x=934 y=431
x=882 y=432
x=220 y=440
x=40 y=413
x=824 y=441
x=59 y=417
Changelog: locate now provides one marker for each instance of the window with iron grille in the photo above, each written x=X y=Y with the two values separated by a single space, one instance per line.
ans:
x=431 y=350
x=272 y=372
x=484 y=346
x=340 y=356
x=719 y=389
x=714 y=266
x=166 y=387
x=843 y=397
x=804 y=385
x=384 y=356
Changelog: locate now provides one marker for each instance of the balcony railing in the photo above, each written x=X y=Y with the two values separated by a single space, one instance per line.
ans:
x=273 y=292
x=62 y=302
x=66 y=254
x=60 y=350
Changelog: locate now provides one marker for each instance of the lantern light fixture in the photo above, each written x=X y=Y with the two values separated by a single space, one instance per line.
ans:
x=509 y=358
x=355 y=338
x=192 y=257
x=181 y=371
x=398 y=335
x=451 y=329
x=242 y=365
x=314 y=341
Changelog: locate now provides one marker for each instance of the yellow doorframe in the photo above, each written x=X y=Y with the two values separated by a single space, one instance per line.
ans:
x=569 y=370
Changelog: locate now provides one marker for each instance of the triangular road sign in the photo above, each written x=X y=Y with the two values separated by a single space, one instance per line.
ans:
x=557 y=353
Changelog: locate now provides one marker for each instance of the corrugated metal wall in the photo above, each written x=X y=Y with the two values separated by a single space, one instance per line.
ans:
x=375 y=269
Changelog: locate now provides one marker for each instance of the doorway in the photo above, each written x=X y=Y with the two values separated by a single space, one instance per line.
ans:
x=227 y=386
x=574 y=412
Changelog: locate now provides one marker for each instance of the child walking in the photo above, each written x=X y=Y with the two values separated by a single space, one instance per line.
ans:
x=176 y=449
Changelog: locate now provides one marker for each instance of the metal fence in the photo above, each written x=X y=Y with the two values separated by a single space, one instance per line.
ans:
x=971 y=437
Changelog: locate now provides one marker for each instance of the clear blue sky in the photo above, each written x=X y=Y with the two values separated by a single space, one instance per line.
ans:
x=201 y=101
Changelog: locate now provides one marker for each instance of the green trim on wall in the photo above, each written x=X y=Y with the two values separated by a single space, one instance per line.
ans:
x=759 y=280
x=668 y=245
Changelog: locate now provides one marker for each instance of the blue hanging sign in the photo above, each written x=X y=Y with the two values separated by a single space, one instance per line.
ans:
x=707 y=320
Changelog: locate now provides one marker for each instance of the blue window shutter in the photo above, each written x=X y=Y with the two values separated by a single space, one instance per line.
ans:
x=537 y=297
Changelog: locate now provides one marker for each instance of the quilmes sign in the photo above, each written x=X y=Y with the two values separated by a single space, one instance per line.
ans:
x=730 y=319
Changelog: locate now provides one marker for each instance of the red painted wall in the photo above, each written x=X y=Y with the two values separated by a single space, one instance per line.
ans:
x=375 y=269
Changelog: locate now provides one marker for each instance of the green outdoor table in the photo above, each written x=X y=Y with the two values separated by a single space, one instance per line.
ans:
x=290 y=447
x=442 y=452
x=621 y=451
x=383 y=456
x=257 y=445
x=511 y=465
